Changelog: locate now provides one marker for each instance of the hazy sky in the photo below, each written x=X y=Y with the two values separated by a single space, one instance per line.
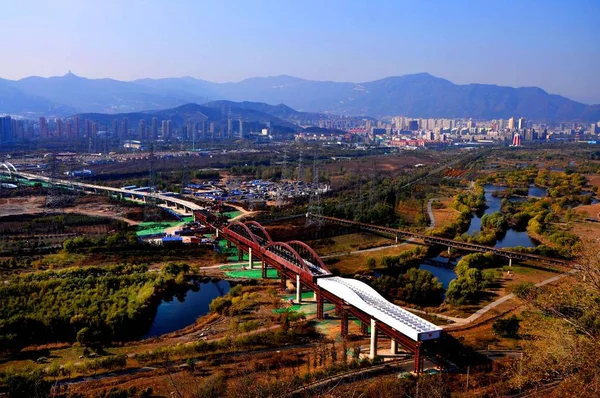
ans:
x=551 y=44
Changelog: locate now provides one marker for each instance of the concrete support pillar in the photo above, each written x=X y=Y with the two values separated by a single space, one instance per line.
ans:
x=373 y=346
x=418 y=358
x=448 y=250
x=510 y=262
x=319 y=305
x=263 y=267
x=344 y=326
x=298 y=290
x=217 y=233
x=396 y=238
x=394 y=347
x=250 y=260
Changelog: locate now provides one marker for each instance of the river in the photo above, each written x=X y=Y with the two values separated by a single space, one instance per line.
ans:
x=511 y=238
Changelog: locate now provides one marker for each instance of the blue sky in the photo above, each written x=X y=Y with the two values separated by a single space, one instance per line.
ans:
x=551 y=44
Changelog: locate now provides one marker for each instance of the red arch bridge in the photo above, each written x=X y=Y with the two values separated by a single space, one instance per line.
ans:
x=298 y=262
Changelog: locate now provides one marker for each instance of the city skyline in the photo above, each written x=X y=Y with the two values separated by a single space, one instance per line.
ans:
x=550 y=45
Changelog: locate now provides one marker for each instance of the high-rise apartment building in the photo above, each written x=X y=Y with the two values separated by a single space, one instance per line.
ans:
x=77 y=127
x=87 y=128
x=6 y=130
x=154 y=128
x=68 y=129
x=43 y=127
x=511 y=123
x=59 y=127
x=124 y=128
x=142 y=129
x=115 y=128
x=169 y=129
x=521 y=123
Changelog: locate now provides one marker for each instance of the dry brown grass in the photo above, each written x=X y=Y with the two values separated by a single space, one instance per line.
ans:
x=590 y=211
x=356 y=263
x=444 y=215
x=347 y=243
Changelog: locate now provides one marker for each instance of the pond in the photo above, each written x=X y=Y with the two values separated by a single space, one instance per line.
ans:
x=183 y=309
x=444 y=275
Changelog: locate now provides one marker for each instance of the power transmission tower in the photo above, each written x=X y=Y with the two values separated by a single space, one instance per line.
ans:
x=185 y=176
x=300 y=167
x=284 y=167
x=58 y=194
x=151 y=207
x=314 y=203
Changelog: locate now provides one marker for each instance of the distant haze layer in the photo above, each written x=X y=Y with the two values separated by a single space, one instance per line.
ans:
x=417 y=95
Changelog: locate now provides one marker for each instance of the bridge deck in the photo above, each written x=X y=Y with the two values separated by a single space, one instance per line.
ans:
x=184 y=203
x=365 y=298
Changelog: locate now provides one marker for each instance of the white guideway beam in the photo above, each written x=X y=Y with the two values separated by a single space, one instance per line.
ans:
x=365 y=298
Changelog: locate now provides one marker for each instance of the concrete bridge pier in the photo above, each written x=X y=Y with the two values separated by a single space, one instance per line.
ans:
x=394 y=347
x=319 y=304
x=373 y=346
x=298 y=290
x=418 y=357
x=344 y=325
x=250 y=259
x=510 y=262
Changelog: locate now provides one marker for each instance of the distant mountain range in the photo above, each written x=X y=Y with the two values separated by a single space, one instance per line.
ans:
x=419 y=95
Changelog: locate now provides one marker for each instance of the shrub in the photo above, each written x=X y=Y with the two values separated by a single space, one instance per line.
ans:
x=507 y=327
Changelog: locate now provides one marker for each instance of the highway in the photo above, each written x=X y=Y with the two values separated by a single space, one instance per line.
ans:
x=178 y=205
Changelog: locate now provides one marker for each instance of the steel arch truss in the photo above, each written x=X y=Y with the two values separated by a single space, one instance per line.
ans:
x=309 y=255
x=260 y=231
x=287 y=253
x=243 y=231
x=7 y=168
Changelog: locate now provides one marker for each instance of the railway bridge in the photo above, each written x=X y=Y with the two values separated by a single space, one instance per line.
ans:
x=450 y=243
x=298 y=262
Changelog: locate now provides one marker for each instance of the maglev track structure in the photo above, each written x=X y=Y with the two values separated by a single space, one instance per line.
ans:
x=298 y=262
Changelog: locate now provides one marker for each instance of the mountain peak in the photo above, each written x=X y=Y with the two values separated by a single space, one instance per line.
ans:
x=70 y=75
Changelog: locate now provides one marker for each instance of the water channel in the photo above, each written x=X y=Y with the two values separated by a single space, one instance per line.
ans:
x=177 y=312
x=512 y=237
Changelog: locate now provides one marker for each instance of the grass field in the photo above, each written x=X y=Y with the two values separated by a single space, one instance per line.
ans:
x=357 y=262
x=344 y=244
x=444 y=215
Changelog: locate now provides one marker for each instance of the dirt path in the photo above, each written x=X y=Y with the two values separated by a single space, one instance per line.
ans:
x=479 y=313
